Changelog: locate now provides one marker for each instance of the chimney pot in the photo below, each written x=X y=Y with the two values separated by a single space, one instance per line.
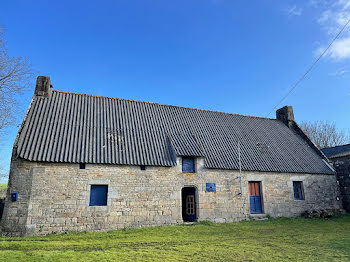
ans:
x=43 y=86
x=286 y=115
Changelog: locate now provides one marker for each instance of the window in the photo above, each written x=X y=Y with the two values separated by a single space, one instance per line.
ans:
x=298 y=190
x=188 y=164
x=190 y=205
x=98 y=195
x=143 y=168
x=82 y=165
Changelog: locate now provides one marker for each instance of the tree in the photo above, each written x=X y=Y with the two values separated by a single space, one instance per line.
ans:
x=325 y=134
x=15 y=76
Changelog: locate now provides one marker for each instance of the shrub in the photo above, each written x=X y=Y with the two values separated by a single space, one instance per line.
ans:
x=320 y=213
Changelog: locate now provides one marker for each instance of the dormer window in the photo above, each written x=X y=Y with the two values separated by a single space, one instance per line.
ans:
x=188 y=164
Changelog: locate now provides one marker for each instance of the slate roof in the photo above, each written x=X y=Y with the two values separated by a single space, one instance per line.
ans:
x=337 y=151
x=78 y=128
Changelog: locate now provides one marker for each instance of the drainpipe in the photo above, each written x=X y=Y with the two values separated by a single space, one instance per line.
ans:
x=240 y=169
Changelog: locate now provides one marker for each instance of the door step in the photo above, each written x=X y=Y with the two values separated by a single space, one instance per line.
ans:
x=188 y=223
x=259 y=217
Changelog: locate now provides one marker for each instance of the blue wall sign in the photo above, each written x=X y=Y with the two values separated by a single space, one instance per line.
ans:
x=14 y=196
x=210 y=187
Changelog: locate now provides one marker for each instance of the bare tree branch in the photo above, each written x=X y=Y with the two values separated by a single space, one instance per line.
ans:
x=15 y=74
x=325 y=134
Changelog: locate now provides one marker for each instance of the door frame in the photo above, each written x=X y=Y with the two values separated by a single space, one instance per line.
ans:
x=261 y=197
x=196 y=200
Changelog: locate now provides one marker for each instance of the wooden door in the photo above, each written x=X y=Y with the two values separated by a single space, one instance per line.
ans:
x=255 y=198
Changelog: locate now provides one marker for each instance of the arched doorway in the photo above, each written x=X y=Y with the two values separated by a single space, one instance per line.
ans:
x=189 y=204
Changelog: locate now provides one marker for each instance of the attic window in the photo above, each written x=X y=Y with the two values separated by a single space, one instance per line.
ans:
x=262 y=147
x=143 y=167
x=82 y=165
x=188 y=165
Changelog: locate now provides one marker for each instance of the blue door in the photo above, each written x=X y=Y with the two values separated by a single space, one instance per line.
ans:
x=255 y=198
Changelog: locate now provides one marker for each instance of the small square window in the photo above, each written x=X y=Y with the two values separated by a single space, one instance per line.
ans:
x=298 y=190
x=143 y=168
x=188 y=165
x=98 y=195
x=82 y=165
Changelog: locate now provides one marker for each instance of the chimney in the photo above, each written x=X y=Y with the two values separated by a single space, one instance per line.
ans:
x=43 y=86
x=286 y=115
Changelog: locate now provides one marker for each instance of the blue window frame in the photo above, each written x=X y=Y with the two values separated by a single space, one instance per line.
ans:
x=298 y=190
x=188 y=165
x=98 y=195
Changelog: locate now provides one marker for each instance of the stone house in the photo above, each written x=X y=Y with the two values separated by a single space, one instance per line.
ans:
x=340 y=157
x=90 y=163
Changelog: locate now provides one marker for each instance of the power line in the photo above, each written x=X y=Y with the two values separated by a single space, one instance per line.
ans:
x=310 y=68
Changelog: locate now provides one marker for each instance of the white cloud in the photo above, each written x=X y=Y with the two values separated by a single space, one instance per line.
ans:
x=325 y=16
x=320 y=3
x=340 y=49
x=314 y=3
x=344 y=4
x=294 y=11
x=340 y=72
x=332 y=19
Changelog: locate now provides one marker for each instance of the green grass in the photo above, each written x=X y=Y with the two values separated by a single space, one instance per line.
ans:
x=3 y=185
x=282 y=239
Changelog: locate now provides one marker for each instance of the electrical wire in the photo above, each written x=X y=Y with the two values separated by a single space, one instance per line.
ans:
x=309 y=69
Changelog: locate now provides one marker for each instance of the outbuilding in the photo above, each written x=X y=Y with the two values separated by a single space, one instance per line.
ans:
x=340 y=158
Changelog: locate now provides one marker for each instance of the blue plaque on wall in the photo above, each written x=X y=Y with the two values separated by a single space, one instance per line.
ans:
x=210 y=187
x=14 y=196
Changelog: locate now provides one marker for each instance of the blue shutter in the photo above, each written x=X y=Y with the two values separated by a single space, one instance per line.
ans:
x=188 y=164
x=295 y=186
x=98 y=195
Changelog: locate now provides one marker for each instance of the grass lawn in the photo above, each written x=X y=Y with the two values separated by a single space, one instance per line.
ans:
x=3 y=185
x=282 y=239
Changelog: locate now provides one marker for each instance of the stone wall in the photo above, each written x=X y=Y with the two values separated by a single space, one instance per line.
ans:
x=54 y=197
x=342 y=165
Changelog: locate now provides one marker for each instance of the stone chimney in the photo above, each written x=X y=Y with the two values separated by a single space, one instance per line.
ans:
x=43 y=86
x=286 y=115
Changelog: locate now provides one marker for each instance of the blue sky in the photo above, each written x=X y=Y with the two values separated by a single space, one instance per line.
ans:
x=233 y=56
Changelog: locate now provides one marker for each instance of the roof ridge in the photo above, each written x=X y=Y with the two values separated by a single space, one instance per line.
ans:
x=154 y=103
x=336 y=146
